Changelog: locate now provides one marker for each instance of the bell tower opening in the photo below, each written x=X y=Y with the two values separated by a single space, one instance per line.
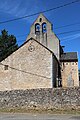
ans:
x=37 y=28
x=44 y=28
x=41 y=32
x=37 y=31
x=44 y=33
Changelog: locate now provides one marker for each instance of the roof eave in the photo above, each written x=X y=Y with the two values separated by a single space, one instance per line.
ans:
x=70 y=60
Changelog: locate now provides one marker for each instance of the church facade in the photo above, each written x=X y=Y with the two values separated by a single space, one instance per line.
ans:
x=40 y=62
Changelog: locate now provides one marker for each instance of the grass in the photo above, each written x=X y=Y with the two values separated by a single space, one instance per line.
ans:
x=40 y=111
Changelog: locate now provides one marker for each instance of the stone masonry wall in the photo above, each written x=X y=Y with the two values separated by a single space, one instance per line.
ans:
x=70 y=74
x=41 y=98
x=27 y=69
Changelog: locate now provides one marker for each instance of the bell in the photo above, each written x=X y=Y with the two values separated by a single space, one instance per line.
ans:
x=38 y=28
x=44 y=27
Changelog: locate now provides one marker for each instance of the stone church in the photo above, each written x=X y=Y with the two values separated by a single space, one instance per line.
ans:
x=40 y=62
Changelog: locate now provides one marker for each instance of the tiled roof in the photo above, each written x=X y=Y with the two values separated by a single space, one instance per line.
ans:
x=69 y=56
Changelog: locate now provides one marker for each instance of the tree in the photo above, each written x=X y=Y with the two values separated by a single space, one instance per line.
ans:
x=7 y=44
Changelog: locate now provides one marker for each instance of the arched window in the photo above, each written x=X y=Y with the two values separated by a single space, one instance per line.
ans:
x=44 y=28
x=37 y=28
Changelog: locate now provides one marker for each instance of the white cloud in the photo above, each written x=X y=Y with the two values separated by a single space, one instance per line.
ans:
x=19 y=8
x=9 y=7
x=70 y=37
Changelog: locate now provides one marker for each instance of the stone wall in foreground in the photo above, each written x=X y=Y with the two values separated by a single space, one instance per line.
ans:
x=41 y=98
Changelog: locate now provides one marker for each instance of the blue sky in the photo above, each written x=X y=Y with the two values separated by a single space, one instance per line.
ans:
x=11 y=9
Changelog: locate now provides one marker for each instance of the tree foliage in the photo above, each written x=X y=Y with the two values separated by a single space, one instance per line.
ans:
x=7 y=44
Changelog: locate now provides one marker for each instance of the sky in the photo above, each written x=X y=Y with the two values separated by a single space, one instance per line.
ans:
x=65 y=20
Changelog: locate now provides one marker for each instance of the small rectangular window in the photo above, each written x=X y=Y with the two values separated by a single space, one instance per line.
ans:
x=40 y=20
x=72 y=63
x=5 y=67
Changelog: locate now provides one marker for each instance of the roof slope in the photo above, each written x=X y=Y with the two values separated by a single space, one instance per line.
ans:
x=69 y=56
x=26 y=43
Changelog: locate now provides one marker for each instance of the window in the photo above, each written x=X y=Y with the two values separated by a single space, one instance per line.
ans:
x=5 y=67
x=66 y=63
x=40 y=20
x=72 y=63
